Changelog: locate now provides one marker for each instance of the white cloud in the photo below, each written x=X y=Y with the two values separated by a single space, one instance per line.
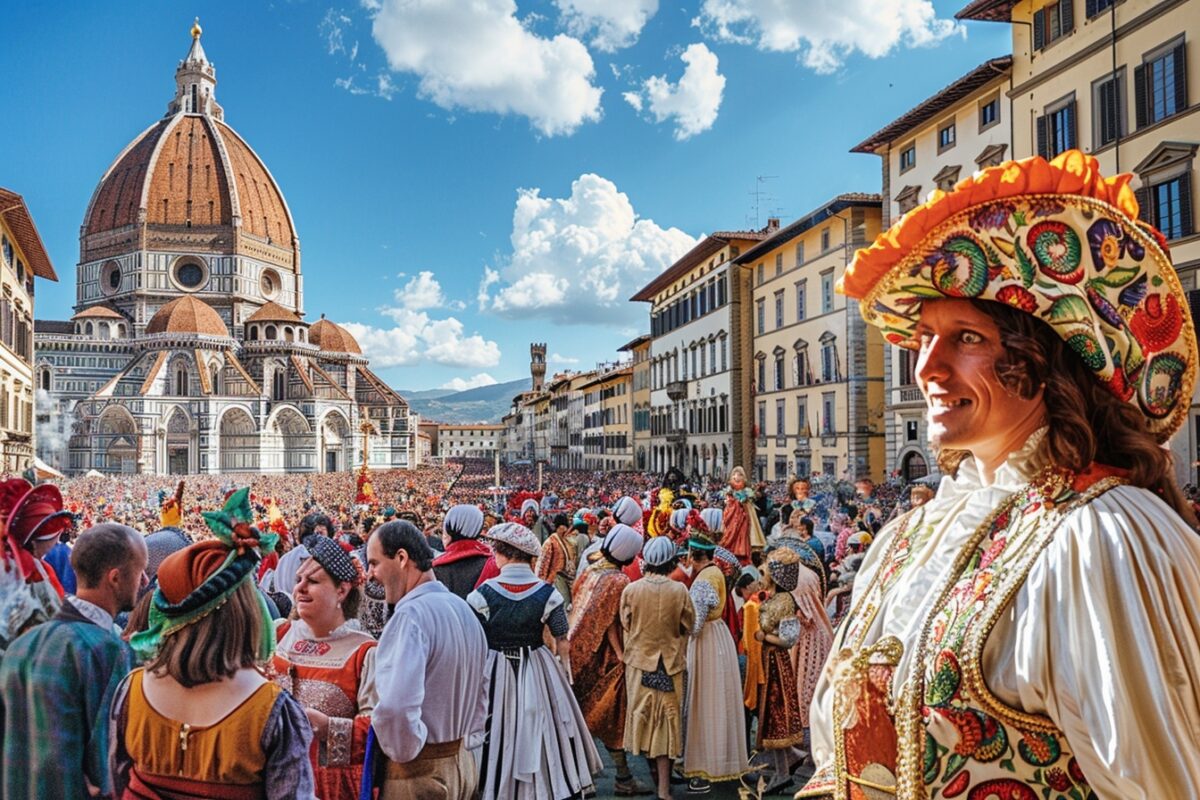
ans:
x=825 y=32
x=478 y=56
x=577 y=260
x=421 y=291
x=555 y=358
x=333 y=28
x=474 y=382
x=692 y=103
x=612 y=24
x=416 y=339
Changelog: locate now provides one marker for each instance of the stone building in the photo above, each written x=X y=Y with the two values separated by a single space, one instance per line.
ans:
x=700 y=343
x=467 y=441
x=188 y=350
x=23 y=258
x=965 y=127
x=816 y=384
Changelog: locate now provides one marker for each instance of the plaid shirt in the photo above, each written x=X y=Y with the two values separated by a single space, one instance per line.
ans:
x=56 y=684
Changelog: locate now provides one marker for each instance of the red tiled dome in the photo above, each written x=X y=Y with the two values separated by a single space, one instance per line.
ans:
x=187 y=314
x=333 y=338
x=192 y=171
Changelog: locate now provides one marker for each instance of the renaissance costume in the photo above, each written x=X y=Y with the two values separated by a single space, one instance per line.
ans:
x=598 y=672
x=334 y=674
x=715 y=741
x=538 y=746
x=459 y=567
x=1036 y=635
x=257 y=750
x=743 y=532
x=657 y=617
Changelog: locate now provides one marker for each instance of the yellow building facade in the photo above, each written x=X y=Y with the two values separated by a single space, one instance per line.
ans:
x=816 y=368
x=608 y=420
x=639 y=352
x=23 y=258
x=1119 y=80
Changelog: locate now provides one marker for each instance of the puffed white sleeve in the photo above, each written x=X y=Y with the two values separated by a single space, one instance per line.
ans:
x=1104 y=638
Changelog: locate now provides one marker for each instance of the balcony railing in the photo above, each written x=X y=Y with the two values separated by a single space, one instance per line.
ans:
x=677 y=390
x=677 y=435
x=910 y=395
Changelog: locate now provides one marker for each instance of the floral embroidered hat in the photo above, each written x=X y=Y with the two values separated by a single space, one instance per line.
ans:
x=1061 y=242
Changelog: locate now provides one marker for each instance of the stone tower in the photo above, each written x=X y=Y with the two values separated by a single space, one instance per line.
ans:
x=537 y=365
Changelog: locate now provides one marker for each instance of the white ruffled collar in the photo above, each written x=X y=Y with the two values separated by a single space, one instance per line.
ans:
x=1015 y=472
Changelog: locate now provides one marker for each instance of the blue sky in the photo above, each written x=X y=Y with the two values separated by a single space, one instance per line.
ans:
x=469 y=177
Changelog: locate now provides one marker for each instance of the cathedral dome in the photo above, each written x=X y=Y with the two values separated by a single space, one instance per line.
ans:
x=333 y=338
x=187 y=315
x=191 y=175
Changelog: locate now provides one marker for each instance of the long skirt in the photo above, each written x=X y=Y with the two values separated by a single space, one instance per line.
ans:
x=654 y=719
x=538 y=746
x=600 y=687
x=779 y=723
x=808 y=659
x=715 y=742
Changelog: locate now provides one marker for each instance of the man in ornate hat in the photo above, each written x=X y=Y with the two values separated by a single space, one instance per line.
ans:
x=57 y=680
x=1034 y=629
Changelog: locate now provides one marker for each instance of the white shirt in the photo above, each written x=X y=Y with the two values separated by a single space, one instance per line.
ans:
x=429 y=671
x=283 y=578
x=93 y=612
x=1103 y=637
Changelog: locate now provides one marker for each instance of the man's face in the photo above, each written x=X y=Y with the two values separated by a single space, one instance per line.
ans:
x=389 y=572
x=966 y=405
x=864 y=488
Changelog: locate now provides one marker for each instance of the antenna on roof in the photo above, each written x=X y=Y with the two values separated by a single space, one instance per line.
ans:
x=760 y=196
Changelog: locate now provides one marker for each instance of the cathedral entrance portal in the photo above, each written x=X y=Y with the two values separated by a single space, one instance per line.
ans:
x=335 y=442
x=179 y=441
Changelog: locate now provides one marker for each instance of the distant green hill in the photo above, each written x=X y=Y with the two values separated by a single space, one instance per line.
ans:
x=483 y=404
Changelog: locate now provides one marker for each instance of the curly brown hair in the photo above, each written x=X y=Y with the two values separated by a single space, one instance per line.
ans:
x=1088 y=423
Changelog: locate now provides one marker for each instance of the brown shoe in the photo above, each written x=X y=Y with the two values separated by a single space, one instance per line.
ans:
x=631 y=787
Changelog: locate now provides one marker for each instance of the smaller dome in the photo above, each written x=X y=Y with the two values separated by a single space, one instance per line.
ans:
x=273 y=312
x=187 y=315
x=333 y=338
x=98 y=312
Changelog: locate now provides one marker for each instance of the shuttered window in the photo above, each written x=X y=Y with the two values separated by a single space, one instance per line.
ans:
x=1053 y=21
x=1056 y=129
x=1160 y=84
x=1108 y=95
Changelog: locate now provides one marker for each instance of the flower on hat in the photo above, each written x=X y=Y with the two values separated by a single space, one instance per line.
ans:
x=1156 y=322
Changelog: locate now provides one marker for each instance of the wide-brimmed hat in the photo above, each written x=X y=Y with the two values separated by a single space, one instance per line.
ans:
x=1061 y=242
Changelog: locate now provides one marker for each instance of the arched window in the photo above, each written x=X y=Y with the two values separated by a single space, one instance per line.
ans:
x=288 y=335
x=88 y=330
x=120 y=333
x=252 y=332
x=181 y=379
x=271 y=333
x=103 y=329
x=279 y=385
x=44 y=379
x=215 y=379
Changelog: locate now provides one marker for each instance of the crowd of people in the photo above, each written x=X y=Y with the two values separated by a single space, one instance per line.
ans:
x=1031 y=629
x=268 y=637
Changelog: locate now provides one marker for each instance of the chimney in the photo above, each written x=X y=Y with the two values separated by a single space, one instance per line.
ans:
x=772 y=224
